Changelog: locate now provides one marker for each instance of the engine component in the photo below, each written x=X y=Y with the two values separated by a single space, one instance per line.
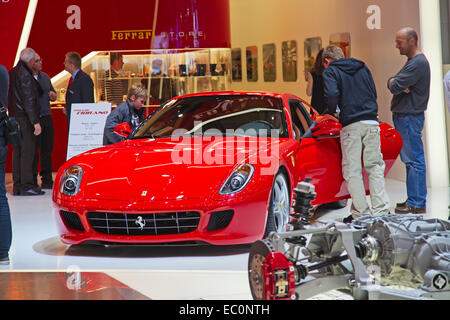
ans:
x=374 y=257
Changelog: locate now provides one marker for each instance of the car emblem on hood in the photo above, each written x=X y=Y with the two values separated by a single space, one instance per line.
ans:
x=144 y=193
x=140 y=222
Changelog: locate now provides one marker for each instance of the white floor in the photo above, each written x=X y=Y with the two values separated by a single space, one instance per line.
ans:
x=156 y=272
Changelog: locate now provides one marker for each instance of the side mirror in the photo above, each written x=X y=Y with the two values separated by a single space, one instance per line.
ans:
x=122 y=129
x=326 y=127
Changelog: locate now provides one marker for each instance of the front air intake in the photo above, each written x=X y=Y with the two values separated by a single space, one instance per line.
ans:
x=72 y=220
x=220 y=219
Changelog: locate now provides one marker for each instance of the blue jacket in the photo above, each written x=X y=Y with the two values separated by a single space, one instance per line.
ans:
x=348 y=84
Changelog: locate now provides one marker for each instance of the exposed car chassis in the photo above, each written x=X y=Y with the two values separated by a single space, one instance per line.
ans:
x=382 y=257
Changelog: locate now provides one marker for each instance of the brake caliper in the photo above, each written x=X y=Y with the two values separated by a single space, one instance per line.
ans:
x=279 y=277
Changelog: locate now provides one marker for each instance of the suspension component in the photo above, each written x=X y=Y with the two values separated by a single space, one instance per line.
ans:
x=304 y=194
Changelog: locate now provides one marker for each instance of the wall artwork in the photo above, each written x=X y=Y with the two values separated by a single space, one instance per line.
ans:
x=251 y=54
x=269 y=62
x=289 y=58
x=236 y=64
x=342 y=40
x=312 y=47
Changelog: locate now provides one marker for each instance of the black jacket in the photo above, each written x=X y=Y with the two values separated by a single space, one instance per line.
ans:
x=24 y=93
x=81 y=91
x=4 y=87
x=349 y=85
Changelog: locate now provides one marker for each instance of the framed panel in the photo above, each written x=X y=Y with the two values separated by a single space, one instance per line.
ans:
x=236 y=64
x=289 y=58
x=251 y=54
x=342 y=40
x=312 y=47
x=269 y=62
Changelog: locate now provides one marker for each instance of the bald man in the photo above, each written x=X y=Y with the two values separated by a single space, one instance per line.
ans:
x=411 y=90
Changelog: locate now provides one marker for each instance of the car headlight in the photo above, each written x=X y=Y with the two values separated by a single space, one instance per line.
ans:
x=238 y=179
x=71 y=180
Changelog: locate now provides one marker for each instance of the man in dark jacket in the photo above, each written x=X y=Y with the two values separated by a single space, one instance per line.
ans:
x=81 y=87
x=24 y=103
x=129 y=111
x=5 y=216
x=349 y=86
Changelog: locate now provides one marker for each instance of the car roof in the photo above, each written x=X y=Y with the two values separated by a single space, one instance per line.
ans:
x=243 y=93
x=228 y=93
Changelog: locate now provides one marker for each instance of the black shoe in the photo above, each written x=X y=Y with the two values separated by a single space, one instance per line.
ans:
x=47 y=185
x=32 y=192
x=4 y=261
x=348 y=219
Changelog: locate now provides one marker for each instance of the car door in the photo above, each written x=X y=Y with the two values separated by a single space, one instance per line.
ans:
x=318 y=158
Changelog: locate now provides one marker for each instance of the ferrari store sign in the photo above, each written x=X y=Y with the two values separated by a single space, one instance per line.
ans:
x=87 y=121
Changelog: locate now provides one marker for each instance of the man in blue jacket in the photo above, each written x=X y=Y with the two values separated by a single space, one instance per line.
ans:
x=349 y=86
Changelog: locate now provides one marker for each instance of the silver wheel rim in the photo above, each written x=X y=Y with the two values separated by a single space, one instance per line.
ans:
x=280 y=203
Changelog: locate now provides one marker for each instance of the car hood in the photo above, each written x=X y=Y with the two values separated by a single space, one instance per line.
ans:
x=157 y=169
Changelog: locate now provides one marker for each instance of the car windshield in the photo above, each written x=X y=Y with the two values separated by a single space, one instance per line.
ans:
x=221 y=115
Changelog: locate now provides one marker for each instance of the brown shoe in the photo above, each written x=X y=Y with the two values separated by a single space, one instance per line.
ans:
x=409 y=209
x=402 y=204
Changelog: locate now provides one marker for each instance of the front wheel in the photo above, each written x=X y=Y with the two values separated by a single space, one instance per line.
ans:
x=279 y=206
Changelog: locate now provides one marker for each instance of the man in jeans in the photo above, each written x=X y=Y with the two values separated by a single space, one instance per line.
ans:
x=411 y=90
x=5 y=217
x=349 y=85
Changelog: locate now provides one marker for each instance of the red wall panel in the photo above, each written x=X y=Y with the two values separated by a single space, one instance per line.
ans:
x=12 y=18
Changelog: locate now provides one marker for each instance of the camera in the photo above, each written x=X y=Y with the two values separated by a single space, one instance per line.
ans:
x=12 y=131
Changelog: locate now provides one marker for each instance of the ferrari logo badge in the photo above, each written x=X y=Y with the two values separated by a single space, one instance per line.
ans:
x=140 y=222
x=144 y=193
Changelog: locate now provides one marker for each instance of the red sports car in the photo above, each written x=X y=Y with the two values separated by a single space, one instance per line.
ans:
x=216 y=168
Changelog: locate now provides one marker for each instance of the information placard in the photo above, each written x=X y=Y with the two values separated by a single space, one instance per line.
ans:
x=87 y=122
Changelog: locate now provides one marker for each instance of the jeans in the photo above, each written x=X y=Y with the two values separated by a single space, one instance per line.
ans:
x=5 y=217
x=410 y=127
x=356 y=139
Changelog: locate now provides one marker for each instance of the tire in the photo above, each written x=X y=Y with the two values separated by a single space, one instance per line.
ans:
x=279 y=206
x=258 y=252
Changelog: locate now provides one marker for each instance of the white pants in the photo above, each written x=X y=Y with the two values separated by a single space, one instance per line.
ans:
x=356 y=139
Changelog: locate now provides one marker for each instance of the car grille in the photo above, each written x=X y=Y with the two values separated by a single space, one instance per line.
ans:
x=146 y=224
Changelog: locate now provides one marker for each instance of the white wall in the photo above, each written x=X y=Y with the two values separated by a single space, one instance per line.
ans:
x=258 y=22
